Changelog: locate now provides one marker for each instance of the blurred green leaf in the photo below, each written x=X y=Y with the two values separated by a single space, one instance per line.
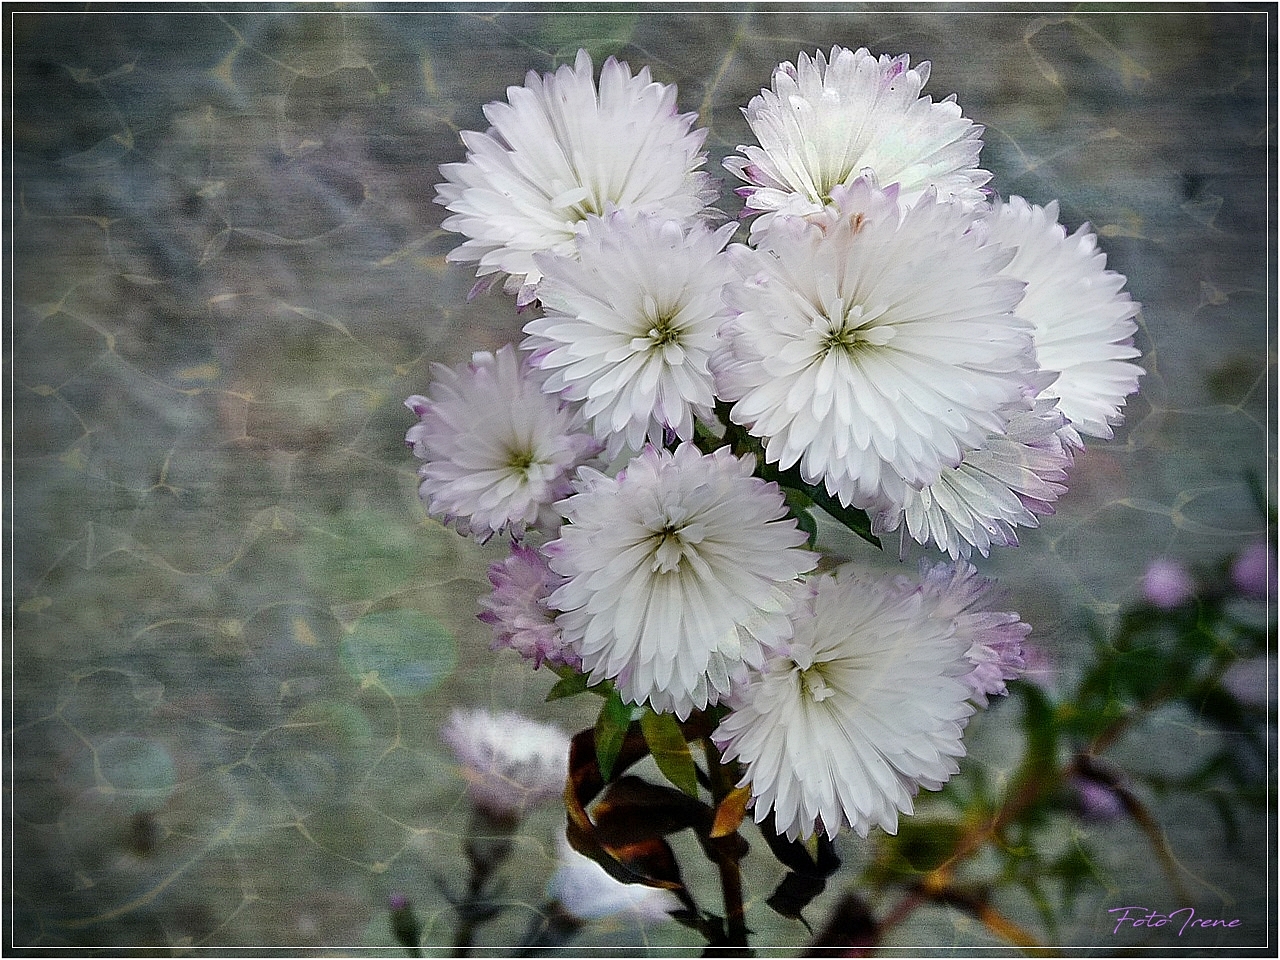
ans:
x=567 y=686
x=600 y=34
x=669 y=749
x=919 y=847
x=611 y=731
x=1076 y=869
x=1040 y=723
x=364 y=554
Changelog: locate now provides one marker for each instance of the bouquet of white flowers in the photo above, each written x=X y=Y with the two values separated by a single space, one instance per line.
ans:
x=890 y=345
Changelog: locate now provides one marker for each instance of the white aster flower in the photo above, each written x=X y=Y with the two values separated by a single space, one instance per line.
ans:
x=1084 y=323
x=679 y=569
x=826 y=122
x=586 y=891
x=956 y=592
x=630 y=323
x=868 y=705
x=1010 y=481
x=874 y=347
x=556 y=152
x=498 y=451
x=511 y=763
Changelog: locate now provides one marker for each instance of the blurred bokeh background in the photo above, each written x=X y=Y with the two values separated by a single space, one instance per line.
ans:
x=234 y=634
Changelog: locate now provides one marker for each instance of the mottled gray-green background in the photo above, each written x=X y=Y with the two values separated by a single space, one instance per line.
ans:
x=226 y=273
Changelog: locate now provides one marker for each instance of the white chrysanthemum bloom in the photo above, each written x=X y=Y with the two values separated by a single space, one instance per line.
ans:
x=498 y=451
x=956 y=592
x=868 y=705
x=1084 y=322
x=629 y=325
x=558 y=151
x=511 y=763
x=1010 y=481
x=826 y=122
x=678 y=569
x=586 y=891
x=874 y=347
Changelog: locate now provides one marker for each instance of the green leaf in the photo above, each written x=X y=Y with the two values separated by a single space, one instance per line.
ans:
x=567 y=686
x=670 y=751
x=611 y=731
x=798 y=503
x=854 y=519
x=1039 y=721
x=741 y=442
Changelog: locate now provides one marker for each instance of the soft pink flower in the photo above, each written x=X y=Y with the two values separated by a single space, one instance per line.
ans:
x=1167 y=584
x=518 y=612
x=1253 y=571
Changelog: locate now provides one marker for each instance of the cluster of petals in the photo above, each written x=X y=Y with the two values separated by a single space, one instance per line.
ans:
x=629 y=324
x=518 y=612
x=679 y=570
x=956 y=592
x=873 y=347
x=511 y=763
x=868 y=704
x=1084 y=322
x=559 y=150
x=825 y=122
x=1010 y=481
x=497 y=451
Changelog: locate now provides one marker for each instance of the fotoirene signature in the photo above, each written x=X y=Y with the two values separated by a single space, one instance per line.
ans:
x=1183 y=918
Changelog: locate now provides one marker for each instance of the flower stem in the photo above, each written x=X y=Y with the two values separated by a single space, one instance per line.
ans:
x=727 y=852
x=488 y=845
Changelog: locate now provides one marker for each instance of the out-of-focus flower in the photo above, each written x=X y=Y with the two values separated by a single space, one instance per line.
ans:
x=824 y=122
x=518 y=612
x=1039 y=668
x=1084 y=323
x=1010 y=481
x=873 y=347
x=955 y=591
x=630 y=323
x=498 y=452
x=404 y=922
x=1252 y=681
x=1253 y=571
x=1167 y=584
x=511 y=763
x=584 y=890
x=1096 y=800
x=868 y=705
x=558 y=151
x=678 y=570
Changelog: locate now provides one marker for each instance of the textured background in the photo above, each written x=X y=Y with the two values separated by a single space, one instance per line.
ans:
x=226 y=274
